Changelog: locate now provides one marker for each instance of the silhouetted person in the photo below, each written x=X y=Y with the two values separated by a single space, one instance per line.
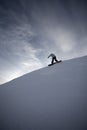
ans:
x=53 y=58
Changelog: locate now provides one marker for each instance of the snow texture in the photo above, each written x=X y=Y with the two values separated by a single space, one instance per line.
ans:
x=52 y=98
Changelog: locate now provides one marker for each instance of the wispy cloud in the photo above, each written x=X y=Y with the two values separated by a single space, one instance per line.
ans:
x=18 y=51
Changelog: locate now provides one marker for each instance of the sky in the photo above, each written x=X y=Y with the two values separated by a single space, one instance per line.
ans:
x=32 y=29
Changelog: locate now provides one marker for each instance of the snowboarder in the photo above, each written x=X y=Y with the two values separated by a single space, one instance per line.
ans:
x=53 y=58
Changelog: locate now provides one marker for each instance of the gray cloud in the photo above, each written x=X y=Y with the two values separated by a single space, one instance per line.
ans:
x=30 y=30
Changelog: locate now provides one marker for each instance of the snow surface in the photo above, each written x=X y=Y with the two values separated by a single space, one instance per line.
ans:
x=52 y=98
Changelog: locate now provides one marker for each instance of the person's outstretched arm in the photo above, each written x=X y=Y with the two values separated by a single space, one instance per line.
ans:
x=49 y=56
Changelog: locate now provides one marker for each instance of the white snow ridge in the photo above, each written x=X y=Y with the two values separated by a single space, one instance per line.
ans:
x=52 y=98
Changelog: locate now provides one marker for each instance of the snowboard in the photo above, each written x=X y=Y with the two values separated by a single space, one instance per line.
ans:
x=55 y=63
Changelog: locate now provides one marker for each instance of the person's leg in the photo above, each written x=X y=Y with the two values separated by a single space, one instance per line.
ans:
x=52 y=60
x=56 y=59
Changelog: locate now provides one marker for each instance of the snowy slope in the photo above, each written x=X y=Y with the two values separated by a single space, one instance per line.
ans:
x=52 y=98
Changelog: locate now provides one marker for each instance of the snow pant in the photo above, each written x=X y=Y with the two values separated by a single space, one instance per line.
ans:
x=54 y=59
